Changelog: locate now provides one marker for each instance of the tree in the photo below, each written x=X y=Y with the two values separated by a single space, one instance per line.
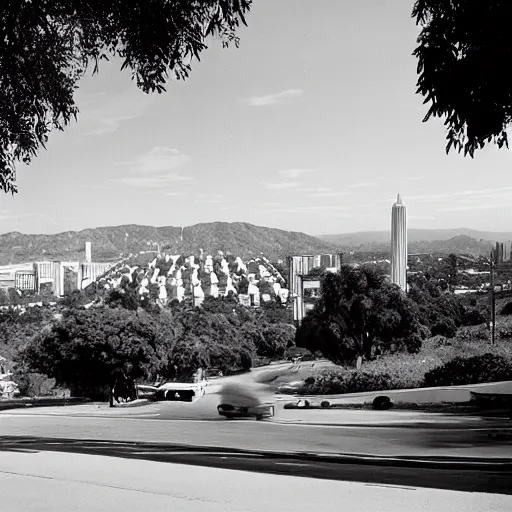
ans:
x=81 y=351
x=357 y=310
x=461 y=52
x=47 y=46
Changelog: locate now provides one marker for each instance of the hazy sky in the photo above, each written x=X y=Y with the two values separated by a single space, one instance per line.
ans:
x=311 y=125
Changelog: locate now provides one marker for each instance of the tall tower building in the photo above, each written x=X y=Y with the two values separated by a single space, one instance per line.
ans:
x=399 y=244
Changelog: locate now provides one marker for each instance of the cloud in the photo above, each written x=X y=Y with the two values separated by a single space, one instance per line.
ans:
x=420 y=217
x=362 y=185
x=174 y=193
x=415 y=178
x=275 y=99
x=208 y=201
x=282 y=185
x=295 y=173
x=154 y=169
x=111 y=112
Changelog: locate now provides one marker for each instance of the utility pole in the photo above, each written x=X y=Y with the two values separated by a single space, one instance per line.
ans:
x=493 y=302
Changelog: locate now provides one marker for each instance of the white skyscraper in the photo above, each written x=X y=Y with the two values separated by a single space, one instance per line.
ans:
x=399 y=244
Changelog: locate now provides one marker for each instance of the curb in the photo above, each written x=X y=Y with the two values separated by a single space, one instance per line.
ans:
x=5 y=405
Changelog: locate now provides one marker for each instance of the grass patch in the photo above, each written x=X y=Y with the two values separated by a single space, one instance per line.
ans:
x=407 y=371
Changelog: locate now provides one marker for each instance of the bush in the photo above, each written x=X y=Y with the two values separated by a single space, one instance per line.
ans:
x=507 y=309
x=445 y=327
x=33 y=384
x=471 y=370
x=334 y=382
x=474 y=317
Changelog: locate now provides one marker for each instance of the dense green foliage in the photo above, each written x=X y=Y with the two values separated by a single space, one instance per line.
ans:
x=46 y=47
x=83 y=348
x=338 y=382
x=358 y=312
x=458 y=38
x=471 y=370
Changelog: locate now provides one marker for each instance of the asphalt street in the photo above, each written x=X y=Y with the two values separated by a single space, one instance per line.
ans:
x=492 y=479
x=62 y=482
x=194 y=434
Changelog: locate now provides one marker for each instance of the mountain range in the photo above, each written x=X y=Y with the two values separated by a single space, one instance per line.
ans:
x=110 y=243
x=238 y=238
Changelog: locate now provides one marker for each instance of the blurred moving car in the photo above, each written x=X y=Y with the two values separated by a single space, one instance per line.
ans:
x=244 y=400
x=187 y=389
x=257 y=411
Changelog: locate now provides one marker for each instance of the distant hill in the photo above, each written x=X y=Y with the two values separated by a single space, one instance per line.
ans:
x=240 y=238
x=442 y=241
x=414 y=235
x=110 y=243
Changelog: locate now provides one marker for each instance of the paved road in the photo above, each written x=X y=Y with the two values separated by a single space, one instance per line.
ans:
x=458 y=440
x=495 y=480
x=60 y=482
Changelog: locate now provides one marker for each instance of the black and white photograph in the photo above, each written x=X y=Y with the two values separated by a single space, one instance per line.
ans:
x=255 y=255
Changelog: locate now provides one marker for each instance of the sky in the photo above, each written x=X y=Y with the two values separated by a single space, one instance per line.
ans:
x=311 y=125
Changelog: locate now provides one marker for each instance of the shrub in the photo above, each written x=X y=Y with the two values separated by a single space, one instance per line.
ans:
x=507 y=309
x=406 y=370
x=471 y=370
x=474 y=316
x=32 y=384
x=445 y=327
x=333 y=382
x=473 y=333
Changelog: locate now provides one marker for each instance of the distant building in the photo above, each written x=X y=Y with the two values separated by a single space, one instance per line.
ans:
x=399 y=244
x=300 y=279
x=502 y=252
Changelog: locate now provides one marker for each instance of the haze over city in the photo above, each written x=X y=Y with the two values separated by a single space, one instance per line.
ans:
x=317 y=135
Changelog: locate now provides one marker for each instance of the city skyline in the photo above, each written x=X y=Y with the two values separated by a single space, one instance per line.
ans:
x=314 y=136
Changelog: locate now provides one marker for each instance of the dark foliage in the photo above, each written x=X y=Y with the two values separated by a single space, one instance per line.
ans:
x=357 y=311
x=46 y=48
x=470 y=370
x=461 y=53
x=446 y=328
x=507 y=309
x=333 y=383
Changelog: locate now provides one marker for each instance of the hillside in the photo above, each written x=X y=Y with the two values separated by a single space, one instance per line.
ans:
x=166 y=277
x=109 y=243
x=352 y=240
x=461 y=244
x=421 y=240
